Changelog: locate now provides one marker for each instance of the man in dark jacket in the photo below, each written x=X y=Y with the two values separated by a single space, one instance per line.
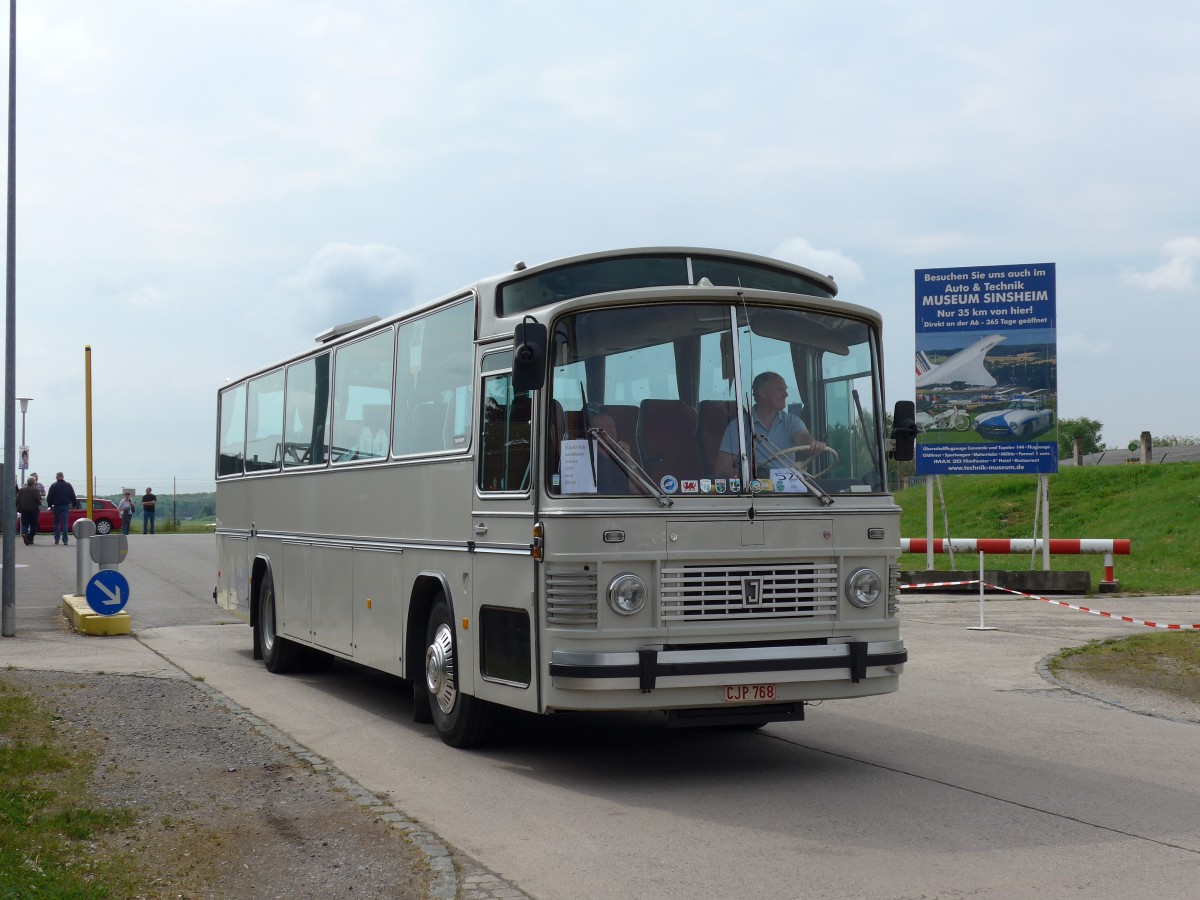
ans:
x=61 y=500
x=29 y=504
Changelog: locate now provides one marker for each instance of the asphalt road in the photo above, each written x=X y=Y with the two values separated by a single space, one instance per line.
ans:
x=979 y=778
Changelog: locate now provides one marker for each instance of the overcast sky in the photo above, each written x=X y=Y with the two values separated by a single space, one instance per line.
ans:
x=205 y=184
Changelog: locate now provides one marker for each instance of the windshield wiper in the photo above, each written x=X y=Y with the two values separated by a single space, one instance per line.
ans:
x=629 y=465
x=806 y=479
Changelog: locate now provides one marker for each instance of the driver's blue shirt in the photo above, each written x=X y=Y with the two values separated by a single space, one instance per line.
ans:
x=781 y=433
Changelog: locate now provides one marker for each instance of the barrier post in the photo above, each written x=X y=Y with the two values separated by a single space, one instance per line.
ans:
x=980 y=626
x=1110 y=584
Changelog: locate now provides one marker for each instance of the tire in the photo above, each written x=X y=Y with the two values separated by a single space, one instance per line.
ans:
x=103 y=526
x=460 y=719
x=279 y=654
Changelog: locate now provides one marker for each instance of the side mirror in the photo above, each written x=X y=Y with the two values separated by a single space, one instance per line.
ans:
x=529 y=355
x=904 y=431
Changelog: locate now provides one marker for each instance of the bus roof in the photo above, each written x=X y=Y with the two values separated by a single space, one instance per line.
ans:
x=505 y=298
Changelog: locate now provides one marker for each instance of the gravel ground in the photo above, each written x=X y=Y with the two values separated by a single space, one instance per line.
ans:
x=223 y=811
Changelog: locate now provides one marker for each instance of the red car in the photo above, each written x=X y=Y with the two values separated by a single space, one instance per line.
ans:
x=104 y=513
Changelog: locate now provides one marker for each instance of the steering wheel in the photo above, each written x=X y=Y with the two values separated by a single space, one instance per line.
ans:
x=804 y=464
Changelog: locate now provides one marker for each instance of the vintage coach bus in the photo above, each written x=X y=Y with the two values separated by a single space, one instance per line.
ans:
x=648 y=479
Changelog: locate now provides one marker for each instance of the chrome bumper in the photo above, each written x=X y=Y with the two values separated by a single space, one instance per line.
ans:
x=656 y=667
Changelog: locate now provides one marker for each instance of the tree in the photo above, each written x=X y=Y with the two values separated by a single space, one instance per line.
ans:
x=1088 y=432
x=1168 y=440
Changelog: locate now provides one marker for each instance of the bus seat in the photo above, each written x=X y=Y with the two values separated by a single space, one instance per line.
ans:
x=517 y=449
x=713 y=416
x=366 y=440
x=520 y=410
x=625 y=417
x=666 y=436
x=574 y=425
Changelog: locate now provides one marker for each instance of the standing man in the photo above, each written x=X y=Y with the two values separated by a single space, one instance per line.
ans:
x=29 y=504
x=148 y=503
x=61 y=499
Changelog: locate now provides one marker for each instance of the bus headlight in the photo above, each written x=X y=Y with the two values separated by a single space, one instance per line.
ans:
x=864 y=587
x=626 y=594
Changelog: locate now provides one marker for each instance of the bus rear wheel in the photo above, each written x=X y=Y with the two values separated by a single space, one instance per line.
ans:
x=278 y=653
x=460 y=719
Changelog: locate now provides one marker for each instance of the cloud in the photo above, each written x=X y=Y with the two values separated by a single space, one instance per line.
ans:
x=1078 y=345
x=592 y=90
x=146 y=295
x=1178 y=273
x=934 y=243
x=828 y=262
x=344 y=282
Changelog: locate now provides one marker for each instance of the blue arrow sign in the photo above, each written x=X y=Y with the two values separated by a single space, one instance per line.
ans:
x=107 y=592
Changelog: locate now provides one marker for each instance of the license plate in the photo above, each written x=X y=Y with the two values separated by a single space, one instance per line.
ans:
x=749 y=693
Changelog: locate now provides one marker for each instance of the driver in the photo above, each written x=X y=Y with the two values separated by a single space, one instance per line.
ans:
x=772 y=421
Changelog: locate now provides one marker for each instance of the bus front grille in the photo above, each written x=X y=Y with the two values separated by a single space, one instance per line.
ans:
x=806 y=590
x=571 y=597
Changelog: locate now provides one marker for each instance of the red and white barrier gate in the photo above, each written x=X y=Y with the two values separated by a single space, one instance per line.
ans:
x=1058 y=546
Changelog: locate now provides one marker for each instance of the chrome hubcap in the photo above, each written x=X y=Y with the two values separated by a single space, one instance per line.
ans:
x=439 y=669
x=266 y=617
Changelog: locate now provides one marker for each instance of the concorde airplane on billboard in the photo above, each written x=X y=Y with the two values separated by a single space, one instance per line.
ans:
x=964 y=367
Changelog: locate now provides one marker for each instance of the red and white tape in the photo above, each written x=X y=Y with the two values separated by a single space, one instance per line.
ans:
x=1094 y=612
x=930 y=584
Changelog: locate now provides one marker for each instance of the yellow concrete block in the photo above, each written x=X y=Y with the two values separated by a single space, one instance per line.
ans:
x=86 y=620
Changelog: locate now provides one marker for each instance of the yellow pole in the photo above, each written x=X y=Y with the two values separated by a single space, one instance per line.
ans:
x=87 y=419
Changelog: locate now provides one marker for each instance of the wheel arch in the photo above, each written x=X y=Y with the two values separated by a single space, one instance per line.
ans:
x=259 y=569
x=425 y=590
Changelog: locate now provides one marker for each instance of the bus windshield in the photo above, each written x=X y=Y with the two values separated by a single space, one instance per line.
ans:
x=714 y=400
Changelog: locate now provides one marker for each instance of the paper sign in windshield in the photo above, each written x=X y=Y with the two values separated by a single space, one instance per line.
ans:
x=577 y=466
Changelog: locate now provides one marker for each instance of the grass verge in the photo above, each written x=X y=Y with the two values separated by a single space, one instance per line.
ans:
x=48 y=829
x=1161 y=661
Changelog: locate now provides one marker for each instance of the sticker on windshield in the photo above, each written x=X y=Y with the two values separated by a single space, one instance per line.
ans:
x=786 y=481
x=668 y=484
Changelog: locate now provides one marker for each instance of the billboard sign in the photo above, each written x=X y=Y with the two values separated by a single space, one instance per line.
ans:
x=987 y=370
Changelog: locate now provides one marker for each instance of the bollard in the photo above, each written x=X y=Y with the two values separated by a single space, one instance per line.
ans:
x=980 y=626
x=83 y=529
x=1109 y=584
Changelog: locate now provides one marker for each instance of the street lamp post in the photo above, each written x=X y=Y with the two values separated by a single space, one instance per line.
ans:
x=24 y=462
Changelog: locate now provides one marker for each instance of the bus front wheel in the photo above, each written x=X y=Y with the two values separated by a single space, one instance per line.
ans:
x=460 y=719
x=279 y=654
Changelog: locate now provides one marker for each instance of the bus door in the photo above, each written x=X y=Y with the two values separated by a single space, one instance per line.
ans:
x=503 y=569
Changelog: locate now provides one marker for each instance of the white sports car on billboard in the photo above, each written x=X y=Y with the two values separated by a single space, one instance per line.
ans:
x=1021 y=418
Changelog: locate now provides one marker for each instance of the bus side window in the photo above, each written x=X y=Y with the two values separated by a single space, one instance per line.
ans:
x=504 y=436
x=231 y=452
